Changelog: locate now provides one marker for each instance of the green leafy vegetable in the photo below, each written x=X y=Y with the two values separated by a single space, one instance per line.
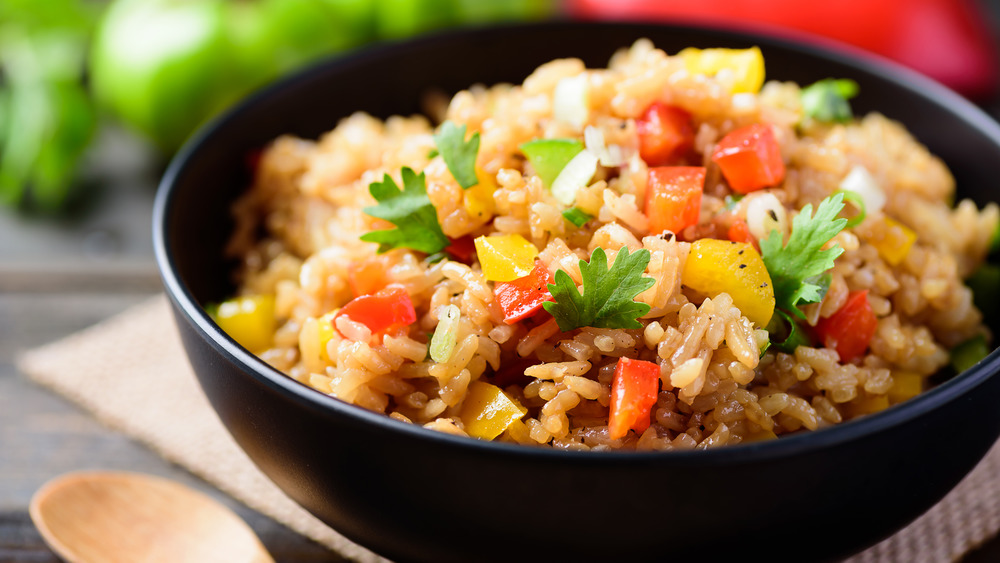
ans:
x=859 y=202
x=968 y=353
x=796 y=268
x=458 y=154
x=984 y=283
x=607 y=300
x=410 y=210
x=826 y=100
x=786 y=334
x=577 y=216
x=549 y=156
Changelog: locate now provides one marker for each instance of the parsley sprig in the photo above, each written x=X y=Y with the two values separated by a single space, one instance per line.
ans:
x=410 y=210
x=607 y=299
x=798 y=269
x=458 y=154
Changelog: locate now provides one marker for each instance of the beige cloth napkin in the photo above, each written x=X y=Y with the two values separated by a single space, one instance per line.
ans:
x=132 y=374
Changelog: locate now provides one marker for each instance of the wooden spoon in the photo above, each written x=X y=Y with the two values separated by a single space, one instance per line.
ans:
x=116 y=516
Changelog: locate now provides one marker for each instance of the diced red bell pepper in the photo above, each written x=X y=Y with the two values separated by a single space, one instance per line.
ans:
x=634 y=387
x=750 y=158
x=666 y=134
x=380 y=311
x=523 y=297
x=369 y=275
x=739 y=231
x=461 y=248
x=850 y=329
x=673 y=197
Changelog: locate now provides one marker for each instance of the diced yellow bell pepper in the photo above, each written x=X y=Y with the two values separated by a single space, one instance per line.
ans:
x=747 y=65
x=249 y=320
x=906 y=385
x=720 y=266
x=868 y=404
x=326 y=332
x=479 y=202
x=895 y=242
x=488 y=411
x=505 y=257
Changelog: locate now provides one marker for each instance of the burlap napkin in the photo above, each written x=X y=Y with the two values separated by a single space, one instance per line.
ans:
x=131 y=373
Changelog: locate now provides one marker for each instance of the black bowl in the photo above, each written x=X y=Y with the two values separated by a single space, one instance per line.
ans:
x=414 y=494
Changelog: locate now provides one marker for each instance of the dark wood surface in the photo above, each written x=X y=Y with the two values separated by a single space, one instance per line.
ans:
x=58 y=276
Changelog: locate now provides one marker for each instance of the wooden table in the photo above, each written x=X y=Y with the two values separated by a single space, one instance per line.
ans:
x=58 y=277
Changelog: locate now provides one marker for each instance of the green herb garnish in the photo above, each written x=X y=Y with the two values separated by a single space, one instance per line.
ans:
x=968 y=353
x=826 y=100
x=432 y=153
x=785 y=334
x=549 y=156
x=577 y=216
x=607 y=299
x=410 y=210
x=797 y=268
x=458 y=154
x=855 y=199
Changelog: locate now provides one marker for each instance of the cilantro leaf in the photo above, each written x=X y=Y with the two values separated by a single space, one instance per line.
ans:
x=458 y=154
x=797 y=268
x=410 y=210
x=826 y=100
x=607 y=300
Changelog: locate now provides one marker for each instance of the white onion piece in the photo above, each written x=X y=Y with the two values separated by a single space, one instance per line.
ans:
x=571 y=101
x=574 y=176
x=765 y=214
x=860 y=181
x=446 y=334
x=610 y=156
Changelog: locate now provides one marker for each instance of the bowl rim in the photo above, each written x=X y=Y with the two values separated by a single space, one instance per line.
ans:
x=326 y=405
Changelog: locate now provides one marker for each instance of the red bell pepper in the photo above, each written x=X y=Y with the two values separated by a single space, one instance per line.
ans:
x=634 y=387
x=666 y=134
x=369 y=275
x=461 y=248
x=523 y=297
x=948 y=40
x=750 y=158
x=673 y=197
x=388 y=308
x=850 y=329
x=739 y=231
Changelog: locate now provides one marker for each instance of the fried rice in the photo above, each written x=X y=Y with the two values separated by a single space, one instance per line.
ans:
x=716 y=380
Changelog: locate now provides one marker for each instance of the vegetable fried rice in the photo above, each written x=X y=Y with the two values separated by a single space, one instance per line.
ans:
x=667 y=253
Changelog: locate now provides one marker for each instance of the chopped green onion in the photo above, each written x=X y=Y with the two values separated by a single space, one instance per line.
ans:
x=577 y=216
x=446 y=335
x=860 y=180
x=826 y=100
x=856 y=199
x=574 y=176
x=432 y=153
x=549 y=156
x=787 y=335
x=764 y=348
x=732 y=201
x=968 y=353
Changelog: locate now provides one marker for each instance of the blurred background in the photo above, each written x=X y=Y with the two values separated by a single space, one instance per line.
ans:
x=95 y=94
